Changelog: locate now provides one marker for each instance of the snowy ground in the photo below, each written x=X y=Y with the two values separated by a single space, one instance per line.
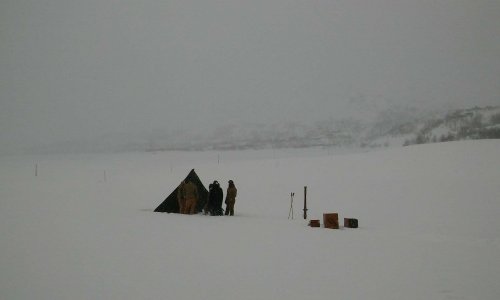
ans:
x=84 y=228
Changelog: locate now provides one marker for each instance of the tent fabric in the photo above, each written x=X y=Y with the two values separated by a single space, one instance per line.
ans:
x=170 y=204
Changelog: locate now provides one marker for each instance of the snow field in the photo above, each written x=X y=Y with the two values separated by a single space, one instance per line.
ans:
x=428 y=219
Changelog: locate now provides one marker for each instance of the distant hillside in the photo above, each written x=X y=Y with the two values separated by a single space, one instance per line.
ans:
x=464 y=124
x=397 y=127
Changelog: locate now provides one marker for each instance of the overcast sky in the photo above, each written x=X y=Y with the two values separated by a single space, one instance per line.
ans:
x=72 y=69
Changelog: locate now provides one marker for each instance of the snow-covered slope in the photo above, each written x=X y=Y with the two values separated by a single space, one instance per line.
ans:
x=396 y=126
x=84 y=228
x=464 y=124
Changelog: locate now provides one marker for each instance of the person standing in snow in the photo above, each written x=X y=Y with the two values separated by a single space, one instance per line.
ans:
x=218 y=196
x=214 y=203
x=190 y=196
x=210 y=202
x=230 y=198
x=181 y=200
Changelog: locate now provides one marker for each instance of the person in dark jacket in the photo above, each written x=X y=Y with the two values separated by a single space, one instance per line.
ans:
x=210 y=201
x=217 y=199
x=230 y=198
x=214 y=203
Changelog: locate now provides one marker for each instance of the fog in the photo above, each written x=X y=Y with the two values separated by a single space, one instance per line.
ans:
x=82 y=70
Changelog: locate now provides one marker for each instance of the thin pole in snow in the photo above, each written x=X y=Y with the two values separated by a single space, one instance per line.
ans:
x=290 y=212
x=305 y=202
x=36 y=169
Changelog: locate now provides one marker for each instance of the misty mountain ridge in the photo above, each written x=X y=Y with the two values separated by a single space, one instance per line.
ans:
x=393 y=127
x=397 y=126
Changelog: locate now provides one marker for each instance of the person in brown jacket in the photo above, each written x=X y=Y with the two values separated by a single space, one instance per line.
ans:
x=180 y=197
x=230 y=198
x=191 y=197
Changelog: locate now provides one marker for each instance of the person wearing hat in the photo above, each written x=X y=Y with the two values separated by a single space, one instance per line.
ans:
x=218 y=197
x=209 y=205
x=215 y=197
x=230 y=198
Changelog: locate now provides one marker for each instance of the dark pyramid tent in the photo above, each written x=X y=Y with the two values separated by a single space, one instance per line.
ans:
x=170 y=205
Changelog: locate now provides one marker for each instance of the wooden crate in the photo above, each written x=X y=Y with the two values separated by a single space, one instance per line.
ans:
x=331 y=220
x=314 y=223
x=350 y=223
